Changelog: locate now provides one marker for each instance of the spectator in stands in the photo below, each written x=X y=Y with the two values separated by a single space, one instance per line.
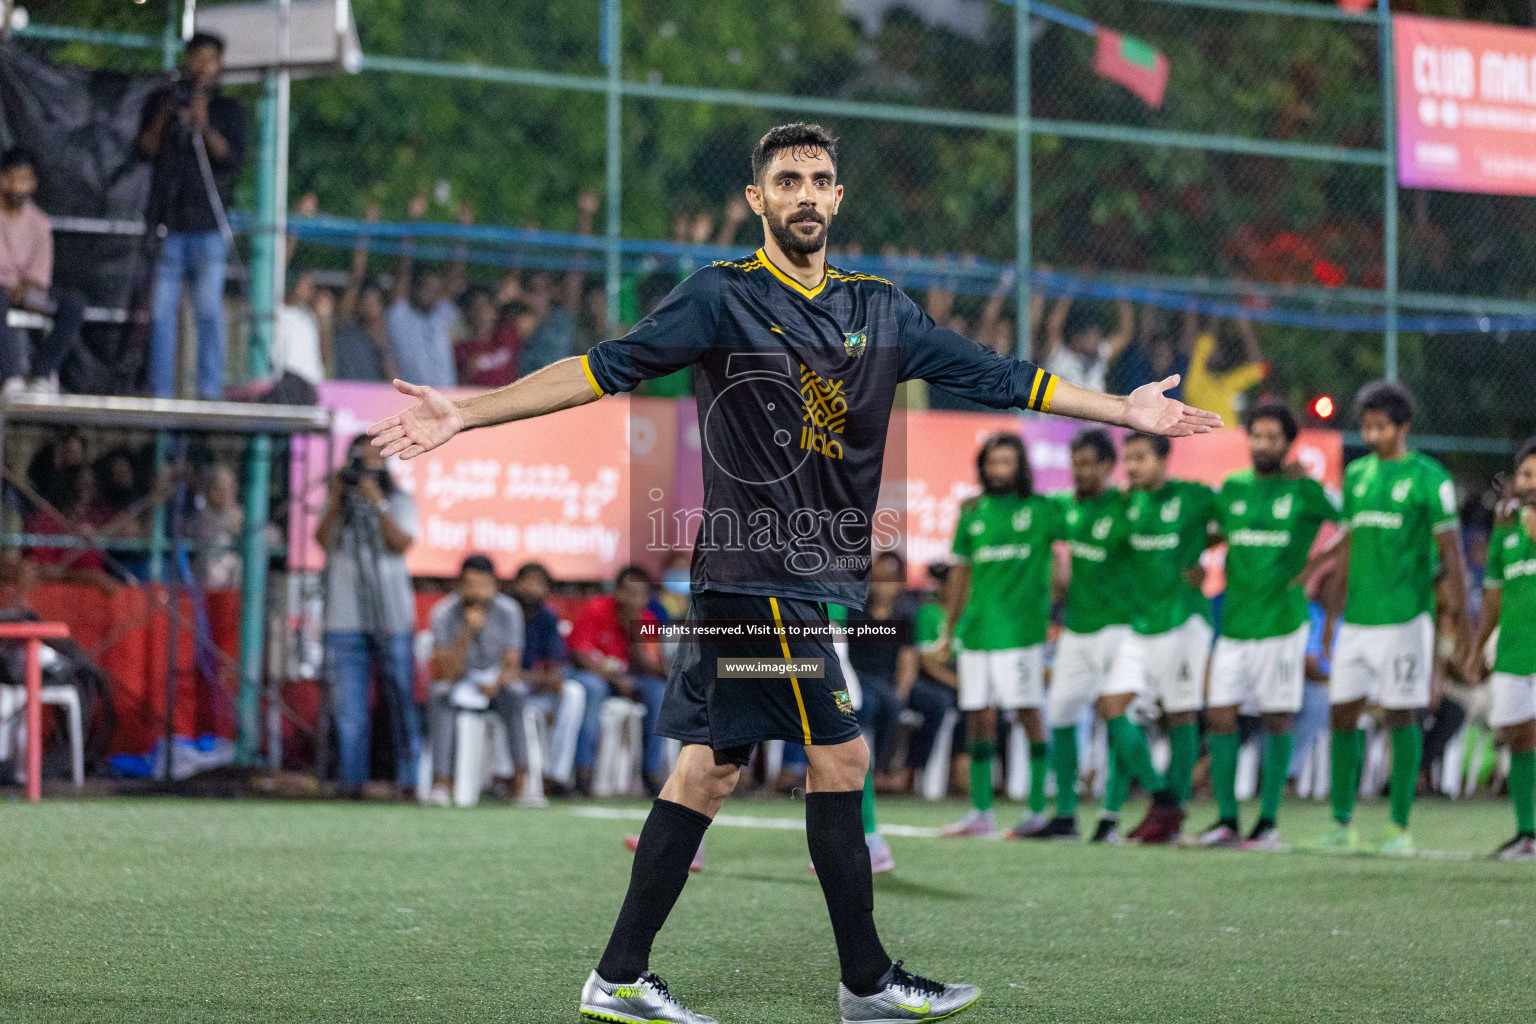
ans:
x=1075 y=347
x=562 y=700
x=26 y=283
x=488 y=356
x=886 y=668
x=477 y=656
x=67 y=514
x=553 y=326
x=422 y=312
x=936 y=689
x=192 y=132
x=217 y=522
x=370 y=616
x=360 y=342
x=299 y=341
x=1220 y=370
x=611 y=660
x=1157 y=353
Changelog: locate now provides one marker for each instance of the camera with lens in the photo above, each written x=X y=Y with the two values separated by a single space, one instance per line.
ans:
x=356 y=468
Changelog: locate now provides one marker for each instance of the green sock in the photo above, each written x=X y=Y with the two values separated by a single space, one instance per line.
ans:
x=1117 y=786
x=1130 y=745
x=1277 y=768
x=1344 y=774
x=1407 y=753
x=1522 y=790
x=868 y=807
x=1185 y=743
x=1065 y=743
x=1224 y=746
x=1039 y=758
x=981 y=773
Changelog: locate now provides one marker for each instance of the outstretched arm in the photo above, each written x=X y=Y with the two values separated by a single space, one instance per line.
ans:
x=1147 y=409
x=435 y=418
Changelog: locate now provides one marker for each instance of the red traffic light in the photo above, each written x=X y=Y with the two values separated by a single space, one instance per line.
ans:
x=1322 y=407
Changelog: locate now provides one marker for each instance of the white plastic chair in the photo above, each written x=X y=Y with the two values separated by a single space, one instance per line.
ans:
x=481 y=752
x=935 y=781
x=13 y=699
x=619 y=747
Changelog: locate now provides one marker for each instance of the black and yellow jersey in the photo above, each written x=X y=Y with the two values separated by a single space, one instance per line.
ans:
x=795 y=387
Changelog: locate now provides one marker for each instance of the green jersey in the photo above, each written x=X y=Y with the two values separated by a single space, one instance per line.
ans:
x=1170 y=528
x=1393 y=509
x=928 y=627
x=1512 y=568
x=1006 y=540
x=1099 y=537
x=1270 y=523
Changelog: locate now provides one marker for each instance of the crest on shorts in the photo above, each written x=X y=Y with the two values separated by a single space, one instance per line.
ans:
x=1400 y=490
x=843 y=701
x=1282 y=507
x=856 y=342
x=1171 y=510
x=1022 y=518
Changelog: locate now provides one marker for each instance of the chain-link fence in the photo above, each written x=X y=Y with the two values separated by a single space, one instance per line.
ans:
x=1250 y=184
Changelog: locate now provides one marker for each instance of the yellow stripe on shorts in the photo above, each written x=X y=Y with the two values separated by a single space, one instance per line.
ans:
x=805 y=722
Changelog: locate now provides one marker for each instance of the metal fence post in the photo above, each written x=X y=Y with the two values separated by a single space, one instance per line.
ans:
x=612 y=47
x=1022 y=207
x=1389 y=213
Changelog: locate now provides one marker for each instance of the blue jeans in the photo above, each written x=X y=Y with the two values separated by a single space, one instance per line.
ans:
x=591 y=717
x=348 y=658
x=879 y=715
x=198 y=260
x=652 y=690
x=1311 y=720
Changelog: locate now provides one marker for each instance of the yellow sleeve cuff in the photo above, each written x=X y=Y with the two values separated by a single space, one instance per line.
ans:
x=586 y=368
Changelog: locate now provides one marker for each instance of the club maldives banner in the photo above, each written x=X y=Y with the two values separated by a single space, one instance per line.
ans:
x=1466 y=106
x=590 y=489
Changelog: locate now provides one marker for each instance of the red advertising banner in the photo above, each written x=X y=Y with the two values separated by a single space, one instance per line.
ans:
x=1466 y=106
x=584 y=490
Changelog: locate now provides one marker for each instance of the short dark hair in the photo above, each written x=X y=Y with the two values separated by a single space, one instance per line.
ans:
x=477 y=563
x=533 y=569
x=795 y=136
x=1160 y=445
x=1527 y=451
x=1024 y=480
x=1097 y=439
x=1078 y=320
x=1387 y=397
x=632 y=572
x=1277 y=411
x=201 y=39
x=17 y=156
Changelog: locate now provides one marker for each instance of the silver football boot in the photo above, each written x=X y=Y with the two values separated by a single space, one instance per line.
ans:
x=905 y=997
x=645 y=1001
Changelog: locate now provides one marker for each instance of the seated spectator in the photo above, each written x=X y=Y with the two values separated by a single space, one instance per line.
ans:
x=1075 y=347
x=360 y=344
x=611 y=661
x=544 y=660
x=1220 y=370
x=477 y=658
x=217 y=522
x=422 y=314
x=26 y=282
x=123 y=497
x=297 y=345
x=886 y=669
x=487 y=357
x=936 y=689
x=1157 y=353
x=67 y=514
x=553 y=328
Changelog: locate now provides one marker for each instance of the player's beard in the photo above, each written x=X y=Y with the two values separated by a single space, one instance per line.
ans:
x=1266 y=465
x=792 y=242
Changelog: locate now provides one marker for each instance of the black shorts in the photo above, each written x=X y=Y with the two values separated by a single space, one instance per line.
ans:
x=729 y=715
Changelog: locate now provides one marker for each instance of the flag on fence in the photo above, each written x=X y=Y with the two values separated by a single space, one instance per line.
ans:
x=1134 y=64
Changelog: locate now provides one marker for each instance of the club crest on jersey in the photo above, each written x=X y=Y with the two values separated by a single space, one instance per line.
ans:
x=976 y=527
x=1282 y=507
x=1171 y=510
x=856 y=342
x=1101 y=528
x=1239 y=508
x=1400 y=490
x=1512 y=541
x=1072 y=517
x=843 y=701
x=1022 y=518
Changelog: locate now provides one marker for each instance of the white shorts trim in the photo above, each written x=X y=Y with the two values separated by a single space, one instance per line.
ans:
x=1168 y=668
x=1007 y=680
x=1267 y=676
x=1514 y=699
x=1385 y=665
x=1083 y=668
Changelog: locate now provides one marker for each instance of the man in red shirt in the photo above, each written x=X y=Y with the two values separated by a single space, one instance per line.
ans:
x=609 y=660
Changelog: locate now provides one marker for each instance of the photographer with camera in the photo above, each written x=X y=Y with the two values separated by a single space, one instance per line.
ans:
x=195 y=136
x=370 y=612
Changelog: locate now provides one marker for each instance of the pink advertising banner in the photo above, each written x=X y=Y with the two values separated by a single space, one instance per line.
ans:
x=1466 y=106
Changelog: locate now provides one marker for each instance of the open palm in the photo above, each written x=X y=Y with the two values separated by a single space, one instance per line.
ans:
x=424 y=426
x=1151 y=411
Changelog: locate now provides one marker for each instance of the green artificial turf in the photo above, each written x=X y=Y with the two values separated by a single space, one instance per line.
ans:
x=160 y=910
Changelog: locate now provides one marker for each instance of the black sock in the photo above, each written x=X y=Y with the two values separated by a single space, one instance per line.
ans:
x=668 y=841
x=834 y=830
